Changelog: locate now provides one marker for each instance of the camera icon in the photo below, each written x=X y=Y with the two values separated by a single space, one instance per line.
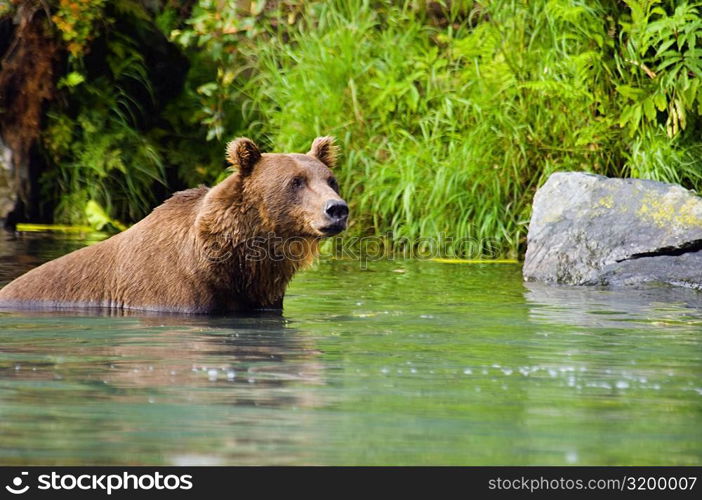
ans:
x=17 y=482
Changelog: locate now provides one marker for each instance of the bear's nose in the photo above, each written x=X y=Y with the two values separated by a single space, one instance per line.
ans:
x=337 y=210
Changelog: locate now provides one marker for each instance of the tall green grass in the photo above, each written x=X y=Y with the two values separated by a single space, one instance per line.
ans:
x=450 y=128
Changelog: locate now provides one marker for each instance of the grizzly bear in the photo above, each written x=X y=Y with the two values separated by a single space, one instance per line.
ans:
x=231 y=247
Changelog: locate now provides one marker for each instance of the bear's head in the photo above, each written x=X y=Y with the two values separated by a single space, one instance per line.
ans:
x=294 y=194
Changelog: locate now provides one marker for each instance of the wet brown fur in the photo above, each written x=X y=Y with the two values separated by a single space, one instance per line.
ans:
x=194 y=252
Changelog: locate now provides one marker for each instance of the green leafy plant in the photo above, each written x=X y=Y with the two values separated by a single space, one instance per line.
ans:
x=101 y=158
x=666 y=65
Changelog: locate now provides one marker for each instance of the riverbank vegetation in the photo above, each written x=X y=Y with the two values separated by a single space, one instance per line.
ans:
x=449 y=114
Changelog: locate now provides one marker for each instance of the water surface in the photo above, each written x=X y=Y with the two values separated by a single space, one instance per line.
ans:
x=403 y=362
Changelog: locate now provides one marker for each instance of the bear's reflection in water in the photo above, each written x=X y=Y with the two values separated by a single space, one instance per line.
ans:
x=241 y=360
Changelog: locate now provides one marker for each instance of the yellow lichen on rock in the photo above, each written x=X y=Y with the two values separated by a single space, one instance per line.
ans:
x=606 y=202
x=665 y=212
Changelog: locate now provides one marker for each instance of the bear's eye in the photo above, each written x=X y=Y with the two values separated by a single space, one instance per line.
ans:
x=333 y=184
x=297 y=183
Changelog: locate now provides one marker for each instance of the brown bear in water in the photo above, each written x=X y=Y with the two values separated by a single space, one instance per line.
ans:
x=205 y=250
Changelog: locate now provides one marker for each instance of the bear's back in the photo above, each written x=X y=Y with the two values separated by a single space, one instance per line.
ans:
x=151 y=265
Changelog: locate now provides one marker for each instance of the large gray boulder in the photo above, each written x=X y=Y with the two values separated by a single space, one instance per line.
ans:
x=588 y=229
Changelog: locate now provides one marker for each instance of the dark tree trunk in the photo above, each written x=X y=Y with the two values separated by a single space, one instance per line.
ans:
x=27 y=83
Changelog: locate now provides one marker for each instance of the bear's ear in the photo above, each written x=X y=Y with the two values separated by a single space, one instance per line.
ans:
x=324 y=149
x=244 y=154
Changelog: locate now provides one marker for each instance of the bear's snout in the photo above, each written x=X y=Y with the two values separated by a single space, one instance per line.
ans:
x=337 y=212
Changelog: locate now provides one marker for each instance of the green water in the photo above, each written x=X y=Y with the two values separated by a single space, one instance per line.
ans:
x=405 y=362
